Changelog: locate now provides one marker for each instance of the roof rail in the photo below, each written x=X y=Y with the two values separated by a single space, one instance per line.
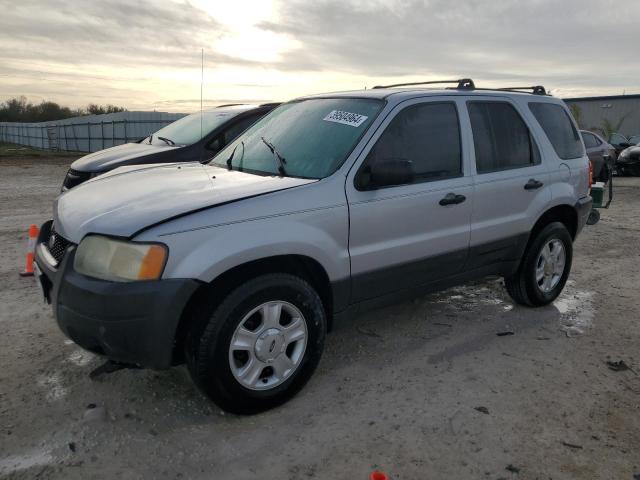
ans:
x=463 y=83
x=536 y=89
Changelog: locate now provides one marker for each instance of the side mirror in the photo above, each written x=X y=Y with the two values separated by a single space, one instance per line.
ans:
x=386 y=174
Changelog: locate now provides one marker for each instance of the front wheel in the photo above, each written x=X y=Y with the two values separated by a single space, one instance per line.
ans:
x=544 y=268
x=260 y=345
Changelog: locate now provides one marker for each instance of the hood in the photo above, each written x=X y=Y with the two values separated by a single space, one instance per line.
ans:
x=127 y=200
x=119 y=155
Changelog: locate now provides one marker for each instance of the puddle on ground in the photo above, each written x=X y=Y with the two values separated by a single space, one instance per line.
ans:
x=16 y=463
x=575 y=306
x=469 y=297
x=80 y=357
x=52 y=383
x=576 y=310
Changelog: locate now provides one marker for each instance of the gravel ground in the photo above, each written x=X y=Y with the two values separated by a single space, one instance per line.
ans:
x=422 y=390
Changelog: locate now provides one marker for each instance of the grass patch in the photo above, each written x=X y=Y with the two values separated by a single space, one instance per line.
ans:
x=13 y=150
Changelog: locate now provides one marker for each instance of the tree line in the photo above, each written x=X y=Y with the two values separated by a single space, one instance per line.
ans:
x=19 y=109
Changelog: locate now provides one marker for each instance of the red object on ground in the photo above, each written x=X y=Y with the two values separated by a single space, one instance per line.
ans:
x=28 y=266
x=378 y=476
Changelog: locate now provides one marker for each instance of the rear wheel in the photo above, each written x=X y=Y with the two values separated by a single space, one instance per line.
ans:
x=260 y=345
x=544 y=268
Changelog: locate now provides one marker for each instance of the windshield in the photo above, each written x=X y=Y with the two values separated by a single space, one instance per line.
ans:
x=308 y=138
x=635 y=140
x=617 y=139
x=186 y=131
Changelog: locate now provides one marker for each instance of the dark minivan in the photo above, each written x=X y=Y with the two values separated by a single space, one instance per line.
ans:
x=196 y=137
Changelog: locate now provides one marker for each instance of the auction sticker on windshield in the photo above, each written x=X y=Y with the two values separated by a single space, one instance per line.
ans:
x=346 y=118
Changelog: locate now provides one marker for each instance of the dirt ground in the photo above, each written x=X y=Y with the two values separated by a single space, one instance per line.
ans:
x=423 y=390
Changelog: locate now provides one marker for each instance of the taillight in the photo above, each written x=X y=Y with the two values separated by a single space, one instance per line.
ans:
x=590 y=174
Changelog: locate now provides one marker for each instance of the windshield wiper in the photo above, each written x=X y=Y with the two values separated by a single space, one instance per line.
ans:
x=168 y=141
x=277 y=156
x=233 y=153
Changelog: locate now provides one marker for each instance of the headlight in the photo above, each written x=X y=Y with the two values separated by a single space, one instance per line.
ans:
x=119 y=261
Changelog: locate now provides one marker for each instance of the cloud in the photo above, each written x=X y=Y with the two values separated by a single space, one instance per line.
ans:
x=568 y=43
x=146 y=54
x=113 y=32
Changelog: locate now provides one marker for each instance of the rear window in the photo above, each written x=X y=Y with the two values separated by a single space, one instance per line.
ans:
x=589 y=140
x=559 y=129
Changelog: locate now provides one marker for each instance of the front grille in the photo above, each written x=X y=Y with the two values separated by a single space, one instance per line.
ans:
x=75 y=178
x=57 y=245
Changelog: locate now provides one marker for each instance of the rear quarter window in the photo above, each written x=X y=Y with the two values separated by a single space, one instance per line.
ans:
x=559 y=129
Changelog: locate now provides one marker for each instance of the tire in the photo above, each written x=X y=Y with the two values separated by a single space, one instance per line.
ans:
x=268 y=308
x=524 y=286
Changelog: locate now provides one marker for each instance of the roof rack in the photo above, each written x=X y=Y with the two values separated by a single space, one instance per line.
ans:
x=229 y=105
x=467 y=84
x=536 y=89
x=463 y=83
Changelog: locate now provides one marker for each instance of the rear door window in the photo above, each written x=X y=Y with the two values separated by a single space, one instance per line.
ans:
x=559 y=129
x=501 y=139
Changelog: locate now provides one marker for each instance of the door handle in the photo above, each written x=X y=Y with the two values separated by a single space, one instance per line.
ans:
x=452 y=199
x=533 y=184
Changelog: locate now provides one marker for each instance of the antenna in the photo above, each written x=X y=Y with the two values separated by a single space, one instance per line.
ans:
x=201 y=83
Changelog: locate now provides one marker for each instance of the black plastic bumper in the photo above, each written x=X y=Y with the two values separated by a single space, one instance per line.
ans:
x=132 y=322
x=583 y=208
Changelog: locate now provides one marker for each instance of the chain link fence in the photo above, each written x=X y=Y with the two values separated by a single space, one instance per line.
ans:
x=88 y=133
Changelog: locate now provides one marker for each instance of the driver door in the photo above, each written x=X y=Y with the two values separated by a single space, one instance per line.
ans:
x=404 y=236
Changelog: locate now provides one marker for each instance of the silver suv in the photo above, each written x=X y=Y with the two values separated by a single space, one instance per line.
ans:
x=328 y=205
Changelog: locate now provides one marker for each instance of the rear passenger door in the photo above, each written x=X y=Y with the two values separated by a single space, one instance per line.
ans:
x=404 y=236
x=510 y=180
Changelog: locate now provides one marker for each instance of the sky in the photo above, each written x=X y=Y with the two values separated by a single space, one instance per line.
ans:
x=146 y=55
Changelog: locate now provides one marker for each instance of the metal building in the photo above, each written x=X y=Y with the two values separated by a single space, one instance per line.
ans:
x=618 y=113
x=87 y=133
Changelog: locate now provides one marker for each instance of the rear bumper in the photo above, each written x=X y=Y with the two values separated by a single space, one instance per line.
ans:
x=583 y=208
x=132 y=322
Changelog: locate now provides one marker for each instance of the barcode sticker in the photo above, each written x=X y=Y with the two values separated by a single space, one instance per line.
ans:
x=346 y=118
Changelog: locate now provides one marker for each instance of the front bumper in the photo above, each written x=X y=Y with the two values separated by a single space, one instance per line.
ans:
x=629 y=164
x=583 y=209
x=133 y=322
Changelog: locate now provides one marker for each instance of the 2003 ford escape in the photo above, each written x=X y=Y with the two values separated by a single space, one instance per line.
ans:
x=329 y=204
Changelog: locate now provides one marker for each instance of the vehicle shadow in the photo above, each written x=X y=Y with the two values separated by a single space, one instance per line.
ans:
x=440 y=326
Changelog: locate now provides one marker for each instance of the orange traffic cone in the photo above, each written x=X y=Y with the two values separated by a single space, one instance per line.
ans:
x=28 y=266
x=378 y=476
